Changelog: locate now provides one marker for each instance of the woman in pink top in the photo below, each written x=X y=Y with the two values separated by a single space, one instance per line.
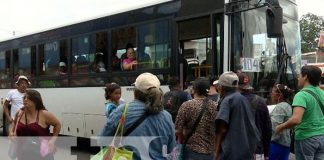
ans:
x=130 y=62
x=34 y=120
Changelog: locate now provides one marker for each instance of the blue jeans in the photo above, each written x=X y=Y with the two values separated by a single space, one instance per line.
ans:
x=278 y=152
x=310 y=148
x=191 y=155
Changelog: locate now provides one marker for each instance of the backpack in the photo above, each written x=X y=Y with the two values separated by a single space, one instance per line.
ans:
x=172 y=102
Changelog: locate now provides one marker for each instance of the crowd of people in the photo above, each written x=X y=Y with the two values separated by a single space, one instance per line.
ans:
x=219 y=119
x=224 y=119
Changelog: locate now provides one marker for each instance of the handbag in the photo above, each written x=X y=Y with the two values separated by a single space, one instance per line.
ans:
x=176 y=153
x=113 y=152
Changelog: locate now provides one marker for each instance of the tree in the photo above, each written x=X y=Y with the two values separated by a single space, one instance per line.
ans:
x=310 y=27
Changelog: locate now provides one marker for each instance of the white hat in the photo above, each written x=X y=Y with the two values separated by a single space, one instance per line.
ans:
x=62 y=64
x=228 y=79
x=146 y=81
x=215 y=82
x=22 y=78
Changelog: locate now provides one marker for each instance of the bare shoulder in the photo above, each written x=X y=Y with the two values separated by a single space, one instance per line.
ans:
x=46 y=113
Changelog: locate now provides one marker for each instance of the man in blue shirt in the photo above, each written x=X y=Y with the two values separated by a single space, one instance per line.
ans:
x=236 y=133
x=157 y=124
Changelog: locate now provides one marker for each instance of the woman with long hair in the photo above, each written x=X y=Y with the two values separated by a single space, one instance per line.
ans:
x=149 y=121
x=33 y=120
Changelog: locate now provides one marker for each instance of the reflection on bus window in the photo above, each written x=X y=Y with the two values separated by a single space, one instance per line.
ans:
x=98 y=60
x=154 y=45
x=81 y=55
x=4 y=69
x=22 y=62
x=50 y=56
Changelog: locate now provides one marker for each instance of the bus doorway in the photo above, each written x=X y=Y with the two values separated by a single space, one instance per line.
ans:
x=200 y=48
x=195 y=43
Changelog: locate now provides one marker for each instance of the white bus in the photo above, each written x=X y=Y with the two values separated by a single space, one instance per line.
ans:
x=184 y=38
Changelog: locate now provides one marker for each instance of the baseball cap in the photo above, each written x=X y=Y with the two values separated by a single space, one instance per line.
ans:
x=62 y=64
x=215 y=82
x=23 y=78
x=146 y=81
x=228 y=79
x=244 y=81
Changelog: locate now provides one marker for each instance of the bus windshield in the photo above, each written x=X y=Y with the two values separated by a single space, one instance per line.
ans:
x=257 y=55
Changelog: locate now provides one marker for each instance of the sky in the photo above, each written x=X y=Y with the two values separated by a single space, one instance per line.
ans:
x=23 y=17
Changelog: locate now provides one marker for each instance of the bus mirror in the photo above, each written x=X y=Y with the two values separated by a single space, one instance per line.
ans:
x=274 y=22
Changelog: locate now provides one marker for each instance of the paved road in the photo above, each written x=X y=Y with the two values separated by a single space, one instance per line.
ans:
x=64 y=149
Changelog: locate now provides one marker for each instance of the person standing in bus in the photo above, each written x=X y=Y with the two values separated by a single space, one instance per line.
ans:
x=280 y=144
x=15 y=99
x=145 y=117
x=112 y=95
x=34 y=120
x=236 y=133
x=308 y=116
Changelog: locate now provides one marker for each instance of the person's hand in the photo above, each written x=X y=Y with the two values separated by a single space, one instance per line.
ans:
x=11 y=120
x=12 y=135
x=278 y=129
x=134 y=62
x=51 y=146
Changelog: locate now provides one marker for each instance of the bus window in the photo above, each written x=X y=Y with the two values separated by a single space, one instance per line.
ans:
x=81 y=53
x=5 y=69
x=22 y=61
x=153 y=47
x=120 y=38
x=99 y=59
x=49 y=58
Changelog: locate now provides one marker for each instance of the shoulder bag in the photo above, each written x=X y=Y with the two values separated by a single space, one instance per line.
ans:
x=113 y=152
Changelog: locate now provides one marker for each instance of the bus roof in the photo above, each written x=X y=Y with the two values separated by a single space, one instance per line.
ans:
x=117 y=11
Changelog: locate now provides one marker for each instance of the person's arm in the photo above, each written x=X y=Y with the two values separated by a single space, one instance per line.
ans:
x=51 y=120
x=296 y=118
x=6 y=111
x=180 y=122
x=221 y=132
x=129 y=66
x=266 y=129
x=14 y=122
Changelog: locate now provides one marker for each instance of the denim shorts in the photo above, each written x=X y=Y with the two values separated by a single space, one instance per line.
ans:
x=310 y=148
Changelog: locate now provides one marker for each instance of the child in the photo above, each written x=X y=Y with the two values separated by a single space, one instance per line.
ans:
x=112 y=95
x=280 y=144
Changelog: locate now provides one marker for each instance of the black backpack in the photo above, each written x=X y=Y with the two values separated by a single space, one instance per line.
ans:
x=172 y=102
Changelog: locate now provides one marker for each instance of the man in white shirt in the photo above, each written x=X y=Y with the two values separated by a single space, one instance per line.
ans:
x=15 y=99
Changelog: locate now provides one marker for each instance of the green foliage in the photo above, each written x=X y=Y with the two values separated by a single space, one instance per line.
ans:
x=310 y=27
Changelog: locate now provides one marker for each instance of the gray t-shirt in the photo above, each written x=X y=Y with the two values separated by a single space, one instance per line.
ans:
x=280 y=114
x=242 y=136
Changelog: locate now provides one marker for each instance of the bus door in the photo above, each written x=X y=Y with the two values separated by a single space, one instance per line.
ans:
x=199 y=43
x=195 y=47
